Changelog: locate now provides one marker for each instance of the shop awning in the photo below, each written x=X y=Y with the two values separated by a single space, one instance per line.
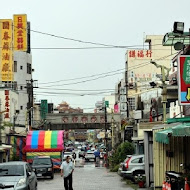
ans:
x=42 y=141
x=181 y=130
x=163 y=136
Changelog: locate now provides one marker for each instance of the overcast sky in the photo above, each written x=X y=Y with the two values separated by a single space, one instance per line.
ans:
x=115 y=22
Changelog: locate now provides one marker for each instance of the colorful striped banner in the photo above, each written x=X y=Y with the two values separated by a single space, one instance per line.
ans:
x=41 y=141
x=18 y=143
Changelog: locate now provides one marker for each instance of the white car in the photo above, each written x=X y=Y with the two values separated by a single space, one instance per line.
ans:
x=89 y=156
x=65 y=154
x=79 y=147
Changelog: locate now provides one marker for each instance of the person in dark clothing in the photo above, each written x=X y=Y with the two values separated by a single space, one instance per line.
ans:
x=74 y=157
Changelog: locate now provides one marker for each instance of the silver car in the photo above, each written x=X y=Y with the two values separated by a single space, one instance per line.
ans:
x=132 y=166
x=89 y=156
x=18 y=176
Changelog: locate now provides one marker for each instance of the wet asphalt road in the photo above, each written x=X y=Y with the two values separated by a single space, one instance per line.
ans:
x=88 y=177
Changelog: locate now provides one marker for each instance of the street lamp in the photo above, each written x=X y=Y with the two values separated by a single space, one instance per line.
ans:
x=164 y=90
x=178 y=27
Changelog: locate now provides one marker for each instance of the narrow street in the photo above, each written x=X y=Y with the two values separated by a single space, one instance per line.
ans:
x=88 y=177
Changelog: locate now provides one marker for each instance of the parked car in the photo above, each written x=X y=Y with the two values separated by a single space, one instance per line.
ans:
x=43 y=166
x=89 y=156
x=132 y=166
x=18 y=176
x=69 y=149
x=82 y=154
x=65 y=154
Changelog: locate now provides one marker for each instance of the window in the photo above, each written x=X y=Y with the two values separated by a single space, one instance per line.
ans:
x=29 y=68
x=21 y=67
x=137 y=160
x=131 y=102
x=12 y=170
x=15 y=66
x=21 y=87
x=21 y=107
x=28 y=168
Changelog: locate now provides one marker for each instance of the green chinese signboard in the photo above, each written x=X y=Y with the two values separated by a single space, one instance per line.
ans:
x=107 y=104
x=43 y=108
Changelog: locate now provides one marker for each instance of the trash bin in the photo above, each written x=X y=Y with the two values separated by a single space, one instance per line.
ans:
x=175 y=179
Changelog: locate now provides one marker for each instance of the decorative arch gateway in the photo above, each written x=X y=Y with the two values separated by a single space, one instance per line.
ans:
x=93 y=119
x=84 y=119
x=65 y=119
x=102 y=119
x=75 y=119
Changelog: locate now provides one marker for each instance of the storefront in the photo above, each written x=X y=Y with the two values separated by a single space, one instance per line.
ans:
x=171 y=150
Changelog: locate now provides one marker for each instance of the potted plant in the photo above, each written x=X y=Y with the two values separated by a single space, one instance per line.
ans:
x=140 y=179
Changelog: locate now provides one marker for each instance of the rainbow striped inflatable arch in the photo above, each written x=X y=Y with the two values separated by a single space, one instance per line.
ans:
x=45 y=143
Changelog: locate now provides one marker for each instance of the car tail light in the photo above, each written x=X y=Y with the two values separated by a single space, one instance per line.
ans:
x=127 y=163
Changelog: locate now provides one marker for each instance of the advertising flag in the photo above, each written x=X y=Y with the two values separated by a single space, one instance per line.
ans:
x=6 y=52
x=20 y=32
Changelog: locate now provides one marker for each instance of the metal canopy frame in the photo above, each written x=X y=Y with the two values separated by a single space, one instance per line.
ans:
x=172 y=38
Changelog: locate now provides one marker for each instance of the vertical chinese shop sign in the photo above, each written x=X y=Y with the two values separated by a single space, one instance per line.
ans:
x=7 y=106
x=184 y=79
x=6 y=55
x=20 y=32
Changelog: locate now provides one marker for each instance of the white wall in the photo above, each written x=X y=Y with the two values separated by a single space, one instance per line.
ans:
x=111 y=99
x=21 y=76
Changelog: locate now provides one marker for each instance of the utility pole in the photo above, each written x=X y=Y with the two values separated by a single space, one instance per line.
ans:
x=30 y=86
x=164 y=90
x=126 y=86
x=113 y=137
x=106 y=104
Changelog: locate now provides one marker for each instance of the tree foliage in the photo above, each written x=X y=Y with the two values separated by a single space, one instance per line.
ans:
x=124 y=149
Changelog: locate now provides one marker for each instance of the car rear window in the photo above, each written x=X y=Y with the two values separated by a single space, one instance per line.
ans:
x=12 y=170
x=42 y=161
x=137 y=160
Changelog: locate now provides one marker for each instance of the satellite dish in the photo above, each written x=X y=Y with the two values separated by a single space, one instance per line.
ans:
x=178 y=46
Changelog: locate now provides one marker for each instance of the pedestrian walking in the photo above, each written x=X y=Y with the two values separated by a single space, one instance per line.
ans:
x=74 y=157
x=67 y=168
x=97 y=157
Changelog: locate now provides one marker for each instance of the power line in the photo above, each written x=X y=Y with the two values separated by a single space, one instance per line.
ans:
x=84 y=80
x=68 y=89
x=90 y=76
x=88 y=42
x=82 y=41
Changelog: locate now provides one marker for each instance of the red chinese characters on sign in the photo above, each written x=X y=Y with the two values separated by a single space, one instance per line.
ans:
x=6 y=25
x=140 y=53
x=7 y=105
x=20 y=33
x=132 y=53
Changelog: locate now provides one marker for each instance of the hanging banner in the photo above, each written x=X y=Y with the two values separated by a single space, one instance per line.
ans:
x=184 y=79
x=6 y=52
x=20 y=32
x=7 y=106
